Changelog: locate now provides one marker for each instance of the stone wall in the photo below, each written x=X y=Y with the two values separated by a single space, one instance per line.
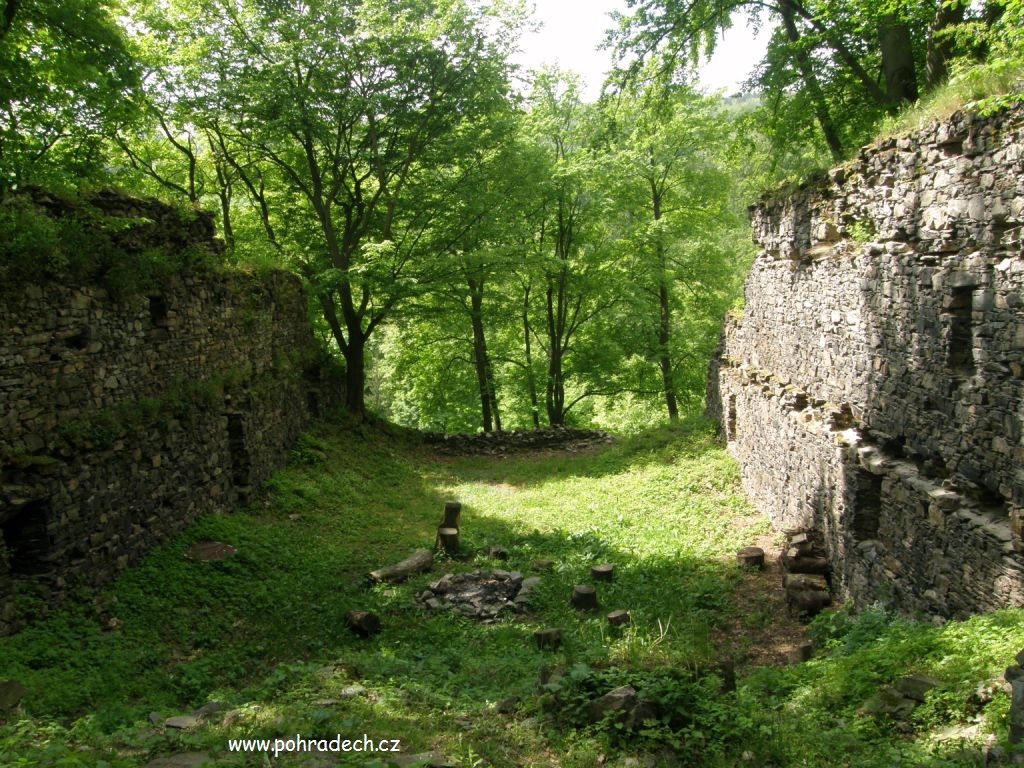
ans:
x=122 y=420
x=872 y=389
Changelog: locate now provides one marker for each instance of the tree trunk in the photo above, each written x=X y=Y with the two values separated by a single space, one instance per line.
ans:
x=897 y=61
x=555 y=389
x=531 y=381
x=806 y=68
x=664 y=310
x=355 y=373
x=480 y=359
x=940 y=45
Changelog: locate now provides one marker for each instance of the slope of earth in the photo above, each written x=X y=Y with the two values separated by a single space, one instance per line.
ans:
x=185 y=654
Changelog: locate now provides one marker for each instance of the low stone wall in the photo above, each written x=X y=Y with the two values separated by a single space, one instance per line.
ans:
x=873 y=387
x=121 y=421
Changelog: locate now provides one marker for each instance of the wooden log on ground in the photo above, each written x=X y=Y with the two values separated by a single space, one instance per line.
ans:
x=805 y=581
x=807 y=602
x=363 y=623
x=815 y=565
x=452 y=512
x=448 y=540
x=547 y=639
x=604 y=572
x=751 y=557
x=619 y=618
x=584 y=597
x=420 y=561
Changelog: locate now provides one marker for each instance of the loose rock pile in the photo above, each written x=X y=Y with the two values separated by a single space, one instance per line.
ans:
x=482 y=595
x=509 y=442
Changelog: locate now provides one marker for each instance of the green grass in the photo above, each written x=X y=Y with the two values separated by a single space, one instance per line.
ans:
x=264 y=631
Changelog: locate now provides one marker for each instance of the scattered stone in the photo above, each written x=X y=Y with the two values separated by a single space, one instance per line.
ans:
x=497 y=553
x=210 y=708
x=890 y=703
x=916 y=686
x=584 y=598
x=807 y=603
x=481 y=595
x=751 y=557
x=604 y=572
x=506 y=706
x=156 y=718
x=815 y=565
x=182 y=722
x=1015 y=677
x=805 y=581
x=182 y=760
x=543 y=564
x=520 y=440
x=547 y=639
x=352 y=691
x=623 y=699
x=363 y=623
x=423 y=760
x=801 y=653
x=210 y=551
x=11 y=694
x=619 y=618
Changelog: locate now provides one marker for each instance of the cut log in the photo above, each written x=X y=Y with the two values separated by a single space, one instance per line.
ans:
x=619 y=618
x=448 y=540
x=547 y=639
x=817 y=565
x=421 y=561
x=584 y=597
x=452 y=512
x=807 y=602
x=805 y=581
x=605 y=572
x=751 y=557
x=363 y=623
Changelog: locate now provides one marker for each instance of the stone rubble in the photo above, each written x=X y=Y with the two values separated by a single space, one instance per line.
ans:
x=482 y=595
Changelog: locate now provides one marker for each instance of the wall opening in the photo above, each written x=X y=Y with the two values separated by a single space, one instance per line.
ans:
x=27 y=540
x=730 y=423
x=158 y=311
x=241 y=463
x=867 y=505
x=961 y=334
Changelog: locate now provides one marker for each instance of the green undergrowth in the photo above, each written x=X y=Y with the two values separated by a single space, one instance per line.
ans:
x=264 y=632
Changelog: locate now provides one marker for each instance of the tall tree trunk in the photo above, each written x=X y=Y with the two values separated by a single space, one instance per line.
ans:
x=940 y=44
x=531 y=381
x=664 y=306
x=555 y=390
x=665 y=358
x=355 y=373
x=897 y=61
x=480 y=360
x=806 y=68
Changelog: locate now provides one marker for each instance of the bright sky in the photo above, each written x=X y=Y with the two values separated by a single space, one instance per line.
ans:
x=572 y=30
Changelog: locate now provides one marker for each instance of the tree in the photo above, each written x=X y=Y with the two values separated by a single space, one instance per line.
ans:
x=334 y=115
x=68 y=80
x=832 y=48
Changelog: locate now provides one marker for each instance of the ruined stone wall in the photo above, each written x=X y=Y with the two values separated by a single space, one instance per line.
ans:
x=122 y=420
x=873 y=387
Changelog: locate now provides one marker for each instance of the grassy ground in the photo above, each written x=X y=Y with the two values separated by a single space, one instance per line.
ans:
x=263 y=633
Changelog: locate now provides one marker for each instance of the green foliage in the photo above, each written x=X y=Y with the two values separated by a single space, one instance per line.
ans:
x=68 y=80
x=43 y=236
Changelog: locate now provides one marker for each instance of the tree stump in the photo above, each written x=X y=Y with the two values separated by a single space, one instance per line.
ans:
x=420 y=561
x=547 y=639
x=363 y=623
x=584 y=597
x=543 y=564
x=619 y=618
x=497 y=553
x=604 y=572
x=452 y=512
x=751 y=557
x=448 y=540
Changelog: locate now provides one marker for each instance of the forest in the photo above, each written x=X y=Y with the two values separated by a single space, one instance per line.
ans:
x=483 y=248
